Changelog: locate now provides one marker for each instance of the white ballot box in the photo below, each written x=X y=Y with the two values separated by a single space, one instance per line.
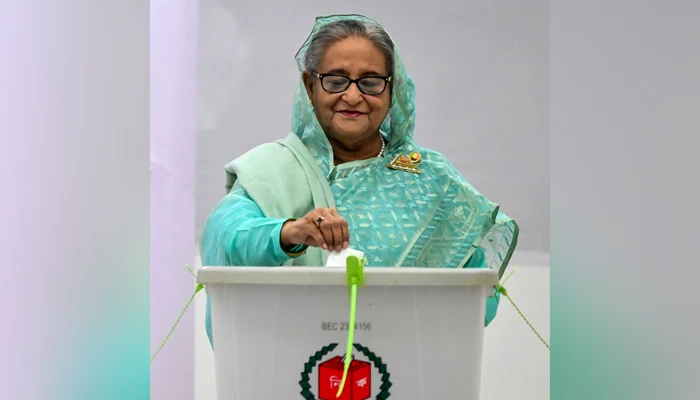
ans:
x=281 y=332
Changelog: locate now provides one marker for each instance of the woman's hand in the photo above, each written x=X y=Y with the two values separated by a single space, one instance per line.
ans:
x=331 y=233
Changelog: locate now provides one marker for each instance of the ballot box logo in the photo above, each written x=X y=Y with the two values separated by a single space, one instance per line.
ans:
x=358 y=385
x=368 y=376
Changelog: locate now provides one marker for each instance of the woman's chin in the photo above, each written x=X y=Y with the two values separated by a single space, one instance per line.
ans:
x=350 y=132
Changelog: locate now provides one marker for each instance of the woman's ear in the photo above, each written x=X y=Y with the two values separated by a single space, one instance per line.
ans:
x=308 y=83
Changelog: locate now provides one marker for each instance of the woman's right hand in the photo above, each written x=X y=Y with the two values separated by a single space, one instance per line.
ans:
x=331 y=233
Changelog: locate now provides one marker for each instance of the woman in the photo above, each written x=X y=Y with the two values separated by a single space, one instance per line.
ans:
x=350 y=174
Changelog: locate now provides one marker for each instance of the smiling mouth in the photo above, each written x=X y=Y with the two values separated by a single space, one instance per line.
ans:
x=349 y=113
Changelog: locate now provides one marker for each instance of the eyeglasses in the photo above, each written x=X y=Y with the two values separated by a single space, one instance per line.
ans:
x=370 y=85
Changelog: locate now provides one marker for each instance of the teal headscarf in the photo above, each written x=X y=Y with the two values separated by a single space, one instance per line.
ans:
x=398 y=126
x=434 y=219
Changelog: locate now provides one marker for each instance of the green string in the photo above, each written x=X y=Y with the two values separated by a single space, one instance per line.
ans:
x=197 y=288
x=190 y=269
x=355 y=278
x=508 y=277
x=504 y=292
x=351 y=337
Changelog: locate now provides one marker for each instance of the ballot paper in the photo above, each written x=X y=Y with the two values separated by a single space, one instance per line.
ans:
x=336 y=259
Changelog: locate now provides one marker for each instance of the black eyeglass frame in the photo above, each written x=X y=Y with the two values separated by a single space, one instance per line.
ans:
x=387 y=81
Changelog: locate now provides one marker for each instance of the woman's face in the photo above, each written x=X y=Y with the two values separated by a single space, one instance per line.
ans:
x=351 y=116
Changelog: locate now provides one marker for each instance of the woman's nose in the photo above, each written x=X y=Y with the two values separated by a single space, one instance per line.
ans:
x=352 y=95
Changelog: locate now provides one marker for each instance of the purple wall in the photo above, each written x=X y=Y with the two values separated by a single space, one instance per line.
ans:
x=173 y=140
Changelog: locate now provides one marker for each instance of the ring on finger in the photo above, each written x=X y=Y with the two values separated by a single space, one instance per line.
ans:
x=319 y=220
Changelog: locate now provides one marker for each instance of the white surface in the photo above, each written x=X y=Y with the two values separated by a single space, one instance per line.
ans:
x=430 y=336
x=515 y=364
x=374 y=276
x=338 y=259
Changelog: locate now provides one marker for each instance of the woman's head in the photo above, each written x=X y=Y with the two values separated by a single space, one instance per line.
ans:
x=350 y=49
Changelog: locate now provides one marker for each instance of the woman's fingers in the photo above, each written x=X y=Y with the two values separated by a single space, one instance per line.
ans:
x=343 y=234
x=327 y=227
x=331 y=233
x=314 y=234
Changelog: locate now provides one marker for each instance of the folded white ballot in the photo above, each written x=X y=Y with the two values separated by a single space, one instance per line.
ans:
x=336 y=259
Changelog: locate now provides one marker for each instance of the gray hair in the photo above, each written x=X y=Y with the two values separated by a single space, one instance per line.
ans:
x=339 y=30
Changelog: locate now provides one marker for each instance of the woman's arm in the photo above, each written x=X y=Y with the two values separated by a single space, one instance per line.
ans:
x=237 y=233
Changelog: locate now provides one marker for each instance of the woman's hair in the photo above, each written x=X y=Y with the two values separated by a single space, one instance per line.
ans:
x=339 y=30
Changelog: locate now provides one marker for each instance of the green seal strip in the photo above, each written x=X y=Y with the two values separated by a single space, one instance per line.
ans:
x=355 y=277
x=502 y=290
x=197 y=289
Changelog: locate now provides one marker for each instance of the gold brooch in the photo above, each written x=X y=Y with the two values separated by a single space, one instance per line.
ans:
x=407 y=163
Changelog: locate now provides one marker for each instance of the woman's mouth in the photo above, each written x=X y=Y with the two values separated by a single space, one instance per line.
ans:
x=350 y=113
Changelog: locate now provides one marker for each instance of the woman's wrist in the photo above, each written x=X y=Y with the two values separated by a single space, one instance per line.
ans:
x=291 y=249
x=285 y=244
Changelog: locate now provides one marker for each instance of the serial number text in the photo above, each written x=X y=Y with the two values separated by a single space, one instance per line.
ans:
x=344 y=326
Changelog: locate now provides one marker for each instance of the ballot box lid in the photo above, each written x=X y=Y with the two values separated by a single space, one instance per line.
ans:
x=335 y=276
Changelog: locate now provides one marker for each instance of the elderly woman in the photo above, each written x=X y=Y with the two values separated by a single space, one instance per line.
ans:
x=350 y=174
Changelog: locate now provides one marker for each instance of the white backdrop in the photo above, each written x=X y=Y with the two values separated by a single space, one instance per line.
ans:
x=481 y=71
